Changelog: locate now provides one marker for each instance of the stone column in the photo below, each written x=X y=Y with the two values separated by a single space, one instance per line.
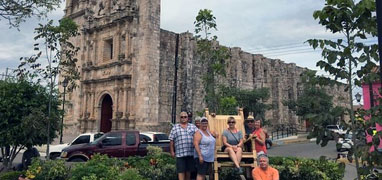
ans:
x=124 y=101
x=145 y=77
x=115 y=120
x=131 y=114
x=87 y=112
x=95 y=49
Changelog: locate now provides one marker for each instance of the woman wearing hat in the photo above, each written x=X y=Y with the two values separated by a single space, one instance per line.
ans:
x=204 y=143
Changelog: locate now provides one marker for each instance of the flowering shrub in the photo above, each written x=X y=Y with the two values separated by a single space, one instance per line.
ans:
x=47 y=170
x=300 y=168
x=161 y=166
x=131 y=174
x=156 y=165
x=99 y=167
x=12 y=175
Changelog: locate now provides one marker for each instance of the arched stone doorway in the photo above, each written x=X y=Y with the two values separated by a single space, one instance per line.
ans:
x=106 y=113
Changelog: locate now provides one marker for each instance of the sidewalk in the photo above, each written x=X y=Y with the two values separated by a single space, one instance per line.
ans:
x=299 y=138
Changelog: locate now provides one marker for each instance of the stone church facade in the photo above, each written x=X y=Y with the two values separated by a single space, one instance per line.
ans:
x=128 y=70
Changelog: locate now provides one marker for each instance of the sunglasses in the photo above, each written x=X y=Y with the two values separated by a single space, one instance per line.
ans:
x=250 y=121
x=231 y=122
x=183 y=116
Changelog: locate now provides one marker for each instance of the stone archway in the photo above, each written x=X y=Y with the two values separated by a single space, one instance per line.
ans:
x=106 y=113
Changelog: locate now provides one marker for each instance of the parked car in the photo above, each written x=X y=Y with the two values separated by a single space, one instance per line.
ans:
x=55 y=150
x=336 y=129
x=120 y=144
x=153 y=137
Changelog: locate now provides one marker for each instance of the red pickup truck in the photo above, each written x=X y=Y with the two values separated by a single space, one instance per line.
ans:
x=118 y=144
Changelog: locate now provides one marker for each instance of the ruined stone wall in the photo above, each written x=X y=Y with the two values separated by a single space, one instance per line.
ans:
x=245 y=70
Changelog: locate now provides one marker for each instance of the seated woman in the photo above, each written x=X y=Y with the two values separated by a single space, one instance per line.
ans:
x=259 y=136
x=233 y=142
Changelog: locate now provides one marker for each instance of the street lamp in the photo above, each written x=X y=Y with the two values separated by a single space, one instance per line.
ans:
x=64 y=84
x=358 y=97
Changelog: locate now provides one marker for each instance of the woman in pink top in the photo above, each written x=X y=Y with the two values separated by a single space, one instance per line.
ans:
x=259 y=136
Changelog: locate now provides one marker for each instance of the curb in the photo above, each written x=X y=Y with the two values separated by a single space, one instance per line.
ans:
x=299 y=139
x=41 y=148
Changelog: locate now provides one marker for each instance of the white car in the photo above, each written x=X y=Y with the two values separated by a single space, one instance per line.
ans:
x=55 y=150
x=153 y=137
x=336 y=129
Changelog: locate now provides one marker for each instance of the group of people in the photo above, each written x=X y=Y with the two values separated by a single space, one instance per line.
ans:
x=194 y=147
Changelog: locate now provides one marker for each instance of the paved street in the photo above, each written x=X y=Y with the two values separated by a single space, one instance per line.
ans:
x=311 y=150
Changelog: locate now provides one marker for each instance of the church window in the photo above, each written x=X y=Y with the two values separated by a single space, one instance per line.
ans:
x=108 y=49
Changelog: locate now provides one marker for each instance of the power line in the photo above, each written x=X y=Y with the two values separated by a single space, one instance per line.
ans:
x=296 y=48
x=8 y=74
x=293 y=46
x=297 y=52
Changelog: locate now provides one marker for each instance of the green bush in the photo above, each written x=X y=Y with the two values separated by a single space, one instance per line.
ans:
x=131 y=174
x=12 y=175
x=156 y=165
x=47 y=170
x=229 y=173
x=99 y=167
x=300 y=168
x=154 y=151
x=161 y=166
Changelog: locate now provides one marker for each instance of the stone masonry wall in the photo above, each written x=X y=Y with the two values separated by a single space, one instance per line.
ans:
x=245 y=70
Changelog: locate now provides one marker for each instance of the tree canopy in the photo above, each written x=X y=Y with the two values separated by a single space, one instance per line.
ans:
x=24 y=115
x=17 y=11
x=251 y=100
x=316 y=106
x=348 y=57
x=54 y=50
x=212 y=56
x=59 y=55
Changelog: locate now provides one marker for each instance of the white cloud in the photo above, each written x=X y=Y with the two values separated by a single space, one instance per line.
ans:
x=253 y=25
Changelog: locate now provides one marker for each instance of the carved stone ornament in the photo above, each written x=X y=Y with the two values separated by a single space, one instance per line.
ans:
x=119 y=115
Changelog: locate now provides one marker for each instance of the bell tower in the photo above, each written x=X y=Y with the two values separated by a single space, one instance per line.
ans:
x=118 y=59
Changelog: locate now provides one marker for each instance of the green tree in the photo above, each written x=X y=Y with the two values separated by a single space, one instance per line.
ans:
x=250 y=100
x=212 y=56
x=59 y=55
x=227 y=105
x=347 y=58
x=365 y=120
x=23 y=117
x=316 y=106
x=17 y=11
